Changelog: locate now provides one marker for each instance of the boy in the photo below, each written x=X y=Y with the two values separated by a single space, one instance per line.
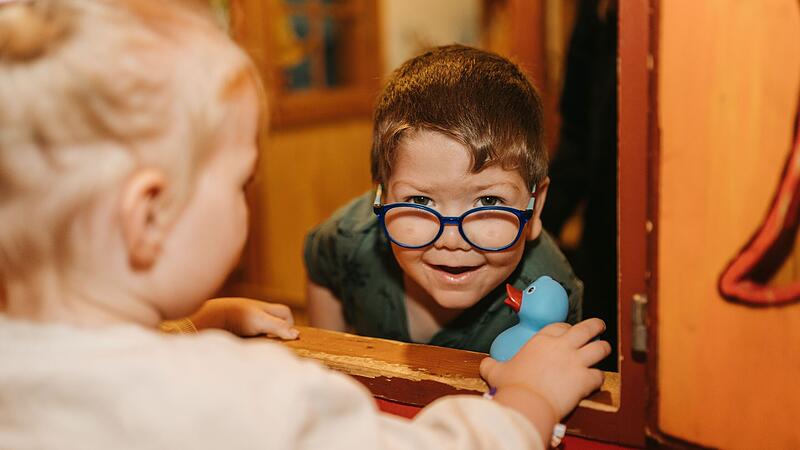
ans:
x=457 y=133
x=127 y=131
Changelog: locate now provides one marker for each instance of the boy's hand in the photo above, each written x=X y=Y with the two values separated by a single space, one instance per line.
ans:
x=246 y=317
x=553 y=365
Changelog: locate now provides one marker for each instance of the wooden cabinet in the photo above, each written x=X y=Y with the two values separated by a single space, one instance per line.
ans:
x=724 y=374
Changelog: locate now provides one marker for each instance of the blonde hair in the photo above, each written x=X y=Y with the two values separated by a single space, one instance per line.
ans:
x=90 y=90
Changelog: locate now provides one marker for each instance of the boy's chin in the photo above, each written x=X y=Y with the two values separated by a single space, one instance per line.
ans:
x=455 y=300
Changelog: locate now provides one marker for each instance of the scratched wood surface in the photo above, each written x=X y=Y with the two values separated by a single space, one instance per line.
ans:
x=729 y=75
x=412 y=374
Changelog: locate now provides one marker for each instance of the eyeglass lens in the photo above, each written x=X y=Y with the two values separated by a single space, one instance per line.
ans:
x=488 y=229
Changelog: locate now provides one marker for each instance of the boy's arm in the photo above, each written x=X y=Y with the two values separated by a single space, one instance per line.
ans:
x=324 y=309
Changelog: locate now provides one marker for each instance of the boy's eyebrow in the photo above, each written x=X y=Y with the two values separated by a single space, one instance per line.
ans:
x=486 y=187
x=481 y=187
x=410 y=184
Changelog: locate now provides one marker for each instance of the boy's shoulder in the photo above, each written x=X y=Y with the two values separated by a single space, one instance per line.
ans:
x=356 y=216
x=348 y=223
x=351 y=235
x=347 y=227
x=544 y=257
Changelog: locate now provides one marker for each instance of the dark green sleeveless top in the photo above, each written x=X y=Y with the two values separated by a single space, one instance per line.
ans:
x=350 y=255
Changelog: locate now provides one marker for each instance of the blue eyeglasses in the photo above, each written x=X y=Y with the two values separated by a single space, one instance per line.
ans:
x=487 y=228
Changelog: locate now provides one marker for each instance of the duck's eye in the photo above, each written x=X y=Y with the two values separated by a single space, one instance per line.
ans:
x=530 y=290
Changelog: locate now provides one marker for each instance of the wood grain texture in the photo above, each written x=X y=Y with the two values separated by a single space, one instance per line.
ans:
x=306 y=174
x=412 y=374
x=729 y=74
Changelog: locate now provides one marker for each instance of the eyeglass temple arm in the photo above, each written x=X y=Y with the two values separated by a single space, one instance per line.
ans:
x=378 y=194
x=532 y=201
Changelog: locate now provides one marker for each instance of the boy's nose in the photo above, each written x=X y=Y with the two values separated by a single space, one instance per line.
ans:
x=451 y=239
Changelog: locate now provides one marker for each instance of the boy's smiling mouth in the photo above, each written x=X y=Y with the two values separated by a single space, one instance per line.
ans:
x=454 y=274
x=455 y=270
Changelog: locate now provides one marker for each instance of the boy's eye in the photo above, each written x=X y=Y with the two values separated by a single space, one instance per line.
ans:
x=489 y=200
x=419 y=200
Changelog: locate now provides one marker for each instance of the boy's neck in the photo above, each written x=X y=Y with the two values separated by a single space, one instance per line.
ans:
x=425 y=316
x=48 y=296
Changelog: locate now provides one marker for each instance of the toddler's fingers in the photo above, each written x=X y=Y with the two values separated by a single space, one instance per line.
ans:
x=278 y=310
x=594 y=352
x=269 y=324
x=555 y=329
x=583 y=332
x=595 y=381
x=488 y=365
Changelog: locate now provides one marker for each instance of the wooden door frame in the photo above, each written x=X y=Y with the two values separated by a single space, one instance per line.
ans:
x=637 y=133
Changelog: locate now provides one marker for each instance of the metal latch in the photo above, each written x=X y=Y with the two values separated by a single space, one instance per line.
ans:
x=639 y=339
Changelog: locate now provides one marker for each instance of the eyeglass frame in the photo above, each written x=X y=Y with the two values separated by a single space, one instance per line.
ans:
x=523 y=216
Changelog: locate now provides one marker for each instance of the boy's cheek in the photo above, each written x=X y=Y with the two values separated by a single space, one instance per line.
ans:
x=405 y=256
x=507 y=258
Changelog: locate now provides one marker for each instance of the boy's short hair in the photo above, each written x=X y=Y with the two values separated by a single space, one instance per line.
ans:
x=90 y=90
x=478 y=98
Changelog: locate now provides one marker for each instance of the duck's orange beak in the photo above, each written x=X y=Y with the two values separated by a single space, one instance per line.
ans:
x=514 y=299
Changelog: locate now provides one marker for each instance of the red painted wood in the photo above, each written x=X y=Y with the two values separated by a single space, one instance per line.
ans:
x=397 y=409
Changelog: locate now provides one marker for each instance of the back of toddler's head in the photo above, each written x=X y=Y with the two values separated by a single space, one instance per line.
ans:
x=480 y=99
x=91 y=90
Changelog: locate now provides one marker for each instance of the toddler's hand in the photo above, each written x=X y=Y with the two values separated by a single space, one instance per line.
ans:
x=246 y=317
x=554 y=364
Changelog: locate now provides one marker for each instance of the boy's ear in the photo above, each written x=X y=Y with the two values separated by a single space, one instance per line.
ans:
x=535 y=224
x=142 y=229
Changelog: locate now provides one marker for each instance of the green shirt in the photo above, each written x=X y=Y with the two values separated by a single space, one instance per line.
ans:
x=350 y=255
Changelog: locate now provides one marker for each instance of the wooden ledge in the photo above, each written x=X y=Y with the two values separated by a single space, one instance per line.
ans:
x=413 y=374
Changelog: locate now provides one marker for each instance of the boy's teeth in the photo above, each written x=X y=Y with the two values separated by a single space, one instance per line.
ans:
x=455 y=270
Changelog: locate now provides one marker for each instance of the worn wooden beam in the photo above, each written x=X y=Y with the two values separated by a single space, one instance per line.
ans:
x=412 y=374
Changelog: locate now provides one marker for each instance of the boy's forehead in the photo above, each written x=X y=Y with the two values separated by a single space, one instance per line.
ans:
x=432 y=158
x=492 y=177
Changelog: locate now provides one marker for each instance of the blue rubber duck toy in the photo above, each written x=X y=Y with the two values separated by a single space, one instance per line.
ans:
x=541 y=303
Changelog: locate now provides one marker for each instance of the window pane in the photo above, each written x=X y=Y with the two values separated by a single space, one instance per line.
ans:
x=299 y=76
x=331 y=46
